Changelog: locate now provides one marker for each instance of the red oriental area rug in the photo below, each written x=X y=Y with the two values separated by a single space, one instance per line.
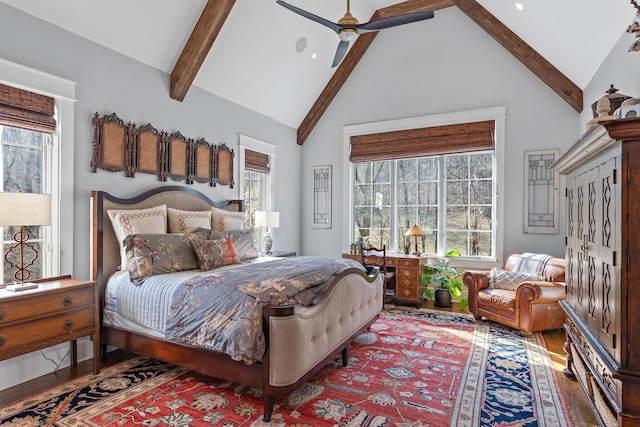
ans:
x=414 y=368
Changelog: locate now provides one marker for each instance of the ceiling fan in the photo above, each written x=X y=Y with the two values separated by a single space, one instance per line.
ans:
x=348 y=27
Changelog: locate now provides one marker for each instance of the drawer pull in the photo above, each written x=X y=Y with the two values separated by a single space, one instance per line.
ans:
x=1 y=314
x=1 y=341
x=67 y=324
x=67 y=301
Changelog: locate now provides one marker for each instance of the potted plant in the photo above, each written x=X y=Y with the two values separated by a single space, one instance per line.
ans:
x=447 y=282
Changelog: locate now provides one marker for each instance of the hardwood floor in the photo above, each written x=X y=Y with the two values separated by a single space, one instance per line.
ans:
x=579 y=408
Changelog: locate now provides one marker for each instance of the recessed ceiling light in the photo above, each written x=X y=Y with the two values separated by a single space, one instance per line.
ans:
x=519 y=6
x=313 y=55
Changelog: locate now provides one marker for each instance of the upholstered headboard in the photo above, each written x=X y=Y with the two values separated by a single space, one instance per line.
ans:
x=105 y=256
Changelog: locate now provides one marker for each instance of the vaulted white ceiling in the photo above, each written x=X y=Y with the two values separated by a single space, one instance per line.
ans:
x=255 y=60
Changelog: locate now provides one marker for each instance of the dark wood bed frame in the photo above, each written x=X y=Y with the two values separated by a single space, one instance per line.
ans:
x=212 y=363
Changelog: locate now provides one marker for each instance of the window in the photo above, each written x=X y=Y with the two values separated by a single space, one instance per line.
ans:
x=24 y=154
x=31 y=159
x=450 y=197
x=258 y=161
x=441 y=173
x=254 y=196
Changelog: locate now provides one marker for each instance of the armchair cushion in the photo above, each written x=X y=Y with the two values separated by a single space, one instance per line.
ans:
x=509 y=280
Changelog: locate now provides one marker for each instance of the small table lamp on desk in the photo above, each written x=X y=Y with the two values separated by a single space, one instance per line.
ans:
x=416 y=232
x=23 y=209
x=267 y=220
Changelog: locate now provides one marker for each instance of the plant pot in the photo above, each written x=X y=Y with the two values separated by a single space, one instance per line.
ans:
x=442 y=298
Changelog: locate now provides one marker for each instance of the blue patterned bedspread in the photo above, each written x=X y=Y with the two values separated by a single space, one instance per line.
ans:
x=222 y=309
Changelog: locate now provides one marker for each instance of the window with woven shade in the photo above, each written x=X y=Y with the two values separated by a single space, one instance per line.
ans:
x=440 y=178
x=26 y=110
x=27 y=137
x=257 y=158
x=256 y=161
x=430 y=141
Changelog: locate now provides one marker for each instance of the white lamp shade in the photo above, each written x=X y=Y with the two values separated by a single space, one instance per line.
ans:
x=24 y=209
x=267 y=219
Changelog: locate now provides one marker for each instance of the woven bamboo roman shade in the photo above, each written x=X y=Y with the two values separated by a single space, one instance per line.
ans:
x=27 y=110
x=256 y=162
x=431 y=141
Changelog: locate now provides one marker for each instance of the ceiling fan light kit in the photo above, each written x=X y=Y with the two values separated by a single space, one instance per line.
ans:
x=348 y=27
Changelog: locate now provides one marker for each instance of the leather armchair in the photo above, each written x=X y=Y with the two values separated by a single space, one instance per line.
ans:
x=533 y=306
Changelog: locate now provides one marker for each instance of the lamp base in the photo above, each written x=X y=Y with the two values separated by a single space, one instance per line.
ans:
x=267 y=244
x=21 y=287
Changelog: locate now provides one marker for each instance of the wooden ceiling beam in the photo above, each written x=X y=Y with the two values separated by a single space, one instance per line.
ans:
x=531 y=59
x=195 y=51
x=355 y=53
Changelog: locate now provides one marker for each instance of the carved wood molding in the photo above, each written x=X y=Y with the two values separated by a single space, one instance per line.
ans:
x=125 y=147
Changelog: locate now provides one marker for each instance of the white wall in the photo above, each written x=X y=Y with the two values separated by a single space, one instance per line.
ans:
x=108 y=82
x=419 y=72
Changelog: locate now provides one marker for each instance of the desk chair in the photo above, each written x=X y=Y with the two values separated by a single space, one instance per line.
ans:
x=375 y=257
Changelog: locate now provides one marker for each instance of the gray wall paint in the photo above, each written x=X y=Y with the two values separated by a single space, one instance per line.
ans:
x=418 y=72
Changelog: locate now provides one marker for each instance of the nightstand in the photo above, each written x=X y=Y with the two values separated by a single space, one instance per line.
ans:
x=61 y=309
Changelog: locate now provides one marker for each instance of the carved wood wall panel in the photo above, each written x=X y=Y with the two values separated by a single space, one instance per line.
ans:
x=224 y=165
x=145 y=149
x=148 y=150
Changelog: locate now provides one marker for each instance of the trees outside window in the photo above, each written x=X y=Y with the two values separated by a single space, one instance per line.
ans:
x=23 y=153
x=450 y=197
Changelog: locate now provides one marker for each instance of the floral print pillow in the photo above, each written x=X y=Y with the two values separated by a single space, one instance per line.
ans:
x=214 y=253
x=151 y=254
x=243 y=243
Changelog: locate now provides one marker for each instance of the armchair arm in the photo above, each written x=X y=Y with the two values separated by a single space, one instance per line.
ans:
x=475 y=280
x=540 y=292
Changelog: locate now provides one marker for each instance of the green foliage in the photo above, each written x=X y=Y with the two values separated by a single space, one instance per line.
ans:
x=443 y=276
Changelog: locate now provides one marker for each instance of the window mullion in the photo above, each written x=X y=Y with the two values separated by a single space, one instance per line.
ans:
x=442 y=206
x=393 y=209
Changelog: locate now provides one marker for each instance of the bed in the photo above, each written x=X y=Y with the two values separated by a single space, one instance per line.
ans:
x=298 y=339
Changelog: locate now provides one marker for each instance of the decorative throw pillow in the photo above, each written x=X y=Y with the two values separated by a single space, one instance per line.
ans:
x=243 y=244
x=151 y=254
x=181 y=221
x=509 y=280
x=222 y=220
x=199 y=235
x=137 y=221
x=214 y=253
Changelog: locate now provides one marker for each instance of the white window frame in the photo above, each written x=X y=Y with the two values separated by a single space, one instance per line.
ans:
x=498 y=114
x=59 y=160
x=247 y=142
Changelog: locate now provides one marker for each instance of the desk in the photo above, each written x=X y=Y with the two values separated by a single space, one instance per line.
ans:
x=408 y=270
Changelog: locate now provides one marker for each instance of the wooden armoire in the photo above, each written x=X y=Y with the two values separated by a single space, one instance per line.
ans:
x=602 y=254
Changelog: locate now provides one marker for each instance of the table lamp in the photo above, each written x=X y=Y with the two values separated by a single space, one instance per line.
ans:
x=414 y=231
x=268 y=220
x=23 y=209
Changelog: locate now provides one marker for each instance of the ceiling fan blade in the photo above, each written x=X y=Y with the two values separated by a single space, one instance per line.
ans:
x=393 y=21
x=340 y=52
x=320 y=20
